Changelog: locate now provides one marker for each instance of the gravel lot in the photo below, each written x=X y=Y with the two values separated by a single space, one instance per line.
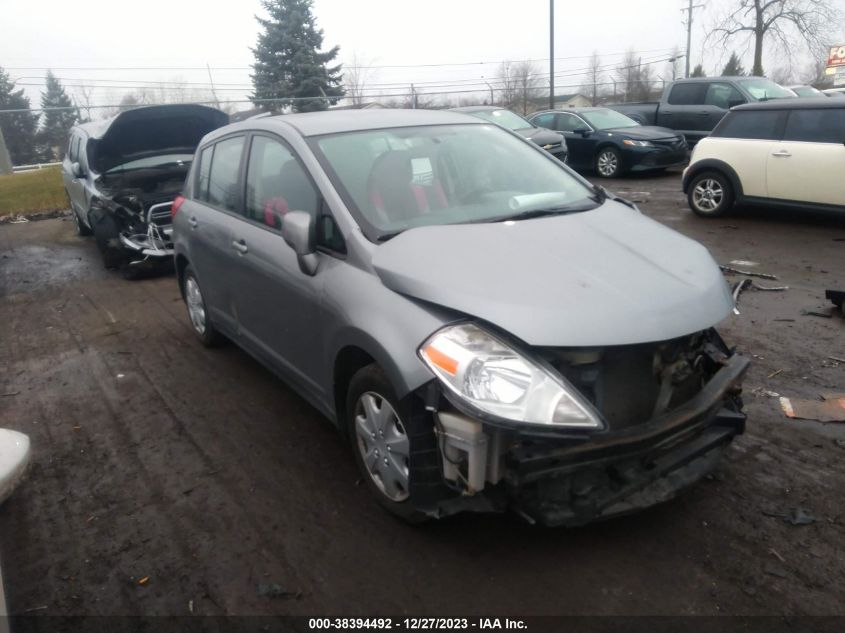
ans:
x=199 y=470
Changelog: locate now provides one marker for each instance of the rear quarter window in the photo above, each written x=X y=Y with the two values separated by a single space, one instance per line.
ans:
x=688 y=94
x=816 y=126
x=752 y=124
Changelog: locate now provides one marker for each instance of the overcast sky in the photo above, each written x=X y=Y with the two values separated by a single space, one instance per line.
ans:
x=118 y=45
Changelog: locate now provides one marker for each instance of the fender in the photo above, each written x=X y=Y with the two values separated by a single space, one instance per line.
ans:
x=713 y=164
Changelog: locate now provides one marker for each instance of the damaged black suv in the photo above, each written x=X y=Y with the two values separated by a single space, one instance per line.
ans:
x=122 y=174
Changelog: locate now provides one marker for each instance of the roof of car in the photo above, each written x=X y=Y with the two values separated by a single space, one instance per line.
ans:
x=477 y=108
x=335 y=121
x=801 y=103
x=571 y=110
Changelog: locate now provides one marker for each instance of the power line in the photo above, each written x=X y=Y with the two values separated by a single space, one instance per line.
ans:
x=366 y=66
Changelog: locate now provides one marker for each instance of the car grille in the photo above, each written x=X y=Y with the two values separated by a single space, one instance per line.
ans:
x=674 y=144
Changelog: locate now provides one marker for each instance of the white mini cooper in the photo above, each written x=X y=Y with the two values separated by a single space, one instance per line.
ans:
x=784 y=153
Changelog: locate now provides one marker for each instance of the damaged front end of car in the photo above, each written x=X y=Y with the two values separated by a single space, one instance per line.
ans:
x=567 y=436
x=132 y=221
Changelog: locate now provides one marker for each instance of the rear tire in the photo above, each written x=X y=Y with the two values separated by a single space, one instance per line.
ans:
x=710 y=194
x=375 y=420
x=198 y=311
x=81 y=229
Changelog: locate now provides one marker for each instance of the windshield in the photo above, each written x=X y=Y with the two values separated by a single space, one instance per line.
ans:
x=763 y=89
x=608 y=119
x=151 y=162
x=395 y=179
x=807 y=91
x=505 y=118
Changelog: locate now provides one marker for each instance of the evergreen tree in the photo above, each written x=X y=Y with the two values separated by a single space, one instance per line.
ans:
x=56 y=126
x=734 y=67
x=19 y=129
x=289 y=61
x=698 y=71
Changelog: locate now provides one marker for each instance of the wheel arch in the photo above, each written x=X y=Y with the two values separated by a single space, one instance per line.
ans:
x=182 y=264
x=713 y=164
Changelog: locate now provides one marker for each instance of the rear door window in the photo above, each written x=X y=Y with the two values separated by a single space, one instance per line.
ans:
x=752 y=124
x=224 y=176
x=816 y=126
x=689 y=93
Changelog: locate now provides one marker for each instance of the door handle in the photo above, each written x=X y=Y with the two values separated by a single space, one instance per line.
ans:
x=240 y=246
x=782 y=154
x=193 y=222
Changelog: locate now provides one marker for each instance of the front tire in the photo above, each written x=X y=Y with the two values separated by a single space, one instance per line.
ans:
x=198 y=311
x=710 y=194
x=375 y=420
x=608 y=163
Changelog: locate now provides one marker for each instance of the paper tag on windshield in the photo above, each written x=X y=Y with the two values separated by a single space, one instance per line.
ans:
x=421 y=171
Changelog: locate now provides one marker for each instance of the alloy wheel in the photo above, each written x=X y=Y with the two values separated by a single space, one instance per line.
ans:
x=196 y=307
x=608 y=164
x=708 y=195
x=383 y=445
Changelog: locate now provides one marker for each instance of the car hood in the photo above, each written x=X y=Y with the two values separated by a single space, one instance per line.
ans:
x=609 y=276
x=541 y=136
x=150 y=131
x=643 y=132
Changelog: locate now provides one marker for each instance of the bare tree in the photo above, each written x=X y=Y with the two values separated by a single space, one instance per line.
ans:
x=784 y=21
x=508 y=85
x=636 y=78
x=528 y=82
x=355 y=76
x=594 y=78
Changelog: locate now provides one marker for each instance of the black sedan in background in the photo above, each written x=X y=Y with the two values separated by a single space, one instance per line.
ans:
x=611 y=143
x=552 y=142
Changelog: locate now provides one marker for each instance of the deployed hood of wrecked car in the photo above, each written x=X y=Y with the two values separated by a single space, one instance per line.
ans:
x=609 y=276
x=149 y=131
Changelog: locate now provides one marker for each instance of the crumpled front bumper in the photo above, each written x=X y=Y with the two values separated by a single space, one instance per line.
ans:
x=621 y=472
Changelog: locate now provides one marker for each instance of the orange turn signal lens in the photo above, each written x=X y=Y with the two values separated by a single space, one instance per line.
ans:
x=436 y=357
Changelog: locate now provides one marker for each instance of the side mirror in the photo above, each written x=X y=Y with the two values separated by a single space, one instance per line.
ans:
x=583 y=131
x=77 y=170
x=735 y=102
x=298 y=233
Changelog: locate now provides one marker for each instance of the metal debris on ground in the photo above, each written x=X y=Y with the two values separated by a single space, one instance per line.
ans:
x=736 y=271
x=8 y=394
x=19 y=220
x=836 y=358
x=144 y=580
x=738 y=288
x=757 y=286
x=796 y=516
x=760 y=392
x=775 y=373
x=830 y=409
x=743 y=262
x=824 y=315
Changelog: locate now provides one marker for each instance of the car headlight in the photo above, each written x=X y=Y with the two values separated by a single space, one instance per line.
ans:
x=634 y=143
x=495 y=379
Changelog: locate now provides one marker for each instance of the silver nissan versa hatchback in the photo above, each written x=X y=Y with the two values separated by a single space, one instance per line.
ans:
x=489 y=329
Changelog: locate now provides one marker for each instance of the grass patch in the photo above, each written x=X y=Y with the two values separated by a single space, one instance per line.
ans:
x=32 y=191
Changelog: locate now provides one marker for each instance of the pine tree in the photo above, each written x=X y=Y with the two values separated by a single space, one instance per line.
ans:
x=734 y=67
x=289 y=61
x=698 y=71
x=19 y=129
x=56 y=126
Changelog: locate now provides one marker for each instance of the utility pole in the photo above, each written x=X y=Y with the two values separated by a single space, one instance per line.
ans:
x=551 y=54
x=689 y=9
x=213 y=91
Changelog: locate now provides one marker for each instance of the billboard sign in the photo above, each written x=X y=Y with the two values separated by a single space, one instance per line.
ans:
x=836 y=56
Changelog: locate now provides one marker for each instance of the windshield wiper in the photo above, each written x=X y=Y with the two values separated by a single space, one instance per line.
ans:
x=530 y=214
x=384 y=237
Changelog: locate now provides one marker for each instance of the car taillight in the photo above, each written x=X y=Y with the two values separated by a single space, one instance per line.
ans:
x=177 y=202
